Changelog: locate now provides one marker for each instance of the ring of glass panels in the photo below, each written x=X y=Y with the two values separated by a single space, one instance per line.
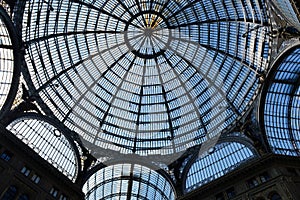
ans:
x=48 y=141
x=122 y=180
x=281 y=107
x=147 y=34
x=9 y=63
x=145 y=77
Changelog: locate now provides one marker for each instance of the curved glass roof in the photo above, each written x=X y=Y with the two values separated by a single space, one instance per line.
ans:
x=48 y=141
x=282 y=106
x=224 y=158
x=121 y=181
x=145 y=77
x=7 y=63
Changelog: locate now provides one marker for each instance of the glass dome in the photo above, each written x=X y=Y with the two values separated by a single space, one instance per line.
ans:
x=145 y=77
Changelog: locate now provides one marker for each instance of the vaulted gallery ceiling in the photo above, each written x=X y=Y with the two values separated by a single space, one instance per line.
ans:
x=137 y=96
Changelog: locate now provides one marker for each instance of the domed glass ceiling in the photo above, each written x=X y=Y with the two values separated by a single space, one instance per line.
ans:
x=145 y=77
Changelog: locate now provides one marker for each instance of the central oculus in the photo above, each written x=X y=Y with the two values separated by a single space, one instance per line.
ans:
x=147 y=34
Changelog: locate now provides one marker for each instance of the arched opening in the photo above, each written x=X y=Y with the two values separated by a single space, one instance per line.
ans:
x=47 y=140
x=128 y=180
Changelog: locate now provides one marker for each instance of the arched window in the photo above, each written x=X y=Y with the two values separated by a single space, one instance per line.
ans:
x=48 y=141
x=225 y=158
x=122 y=180
x=10 y=193
x=282 y=106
